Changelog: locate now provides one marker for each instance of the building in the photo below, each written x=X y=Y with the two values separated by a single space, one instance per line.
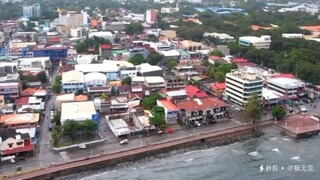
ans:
x=218 y=88
x=128 y=72
x=56 y=53
x=72 y=81
x=10 y=90
x=171 y=54
x=170 y=10
x=241 y=85
x=170 y=111
x=141 y=50
x=286 y=88
x=155 y=83
x=145 y=69
x=175 y=82
x=111 y=70
x=291 y=35
x=206 y=110
x=95 y=80
x=135 y=17
x=118 y=126
x=78 y=32
x=188 y=45
x=185 y=71
x=105 y=51
x=221 y=37
x=77 y=111
x=31 y=11
x=13 y=142
x=103 y=34
x=175 y=96
x=20 y=121
x=194 y=92
x=27 y=104
x=26 y=64
x=262 y=42
x=68 y=98
x=151 y=16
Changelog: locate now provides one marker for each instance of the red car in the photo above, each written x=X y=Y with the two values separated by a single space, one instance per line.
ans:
x=169 y=131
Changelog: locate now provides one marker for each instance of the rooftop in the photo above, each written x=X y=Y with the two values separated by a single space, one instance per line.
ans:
x=72 y=76
x=246 y=75
x=176 y=93
x=77 y=111
x=286 y=82
x=146 y=67
x=168 y=105
x=201 y=104
x=86 y=68
x=26 y=118
x=154 y=79
x=194 y=92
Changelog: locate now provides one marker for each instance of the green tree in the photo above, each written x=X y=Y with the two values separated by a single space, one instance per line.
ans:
x=278 y=112
x=152 y=38
x=104 y=96
x=172 y=63
x=55 y=135
x=56 y=86
x=42 y=76
x=57 y=117
x=126 y=80
x=217 y=53
x=150 y=102
x=88 y=126
x=154 y=58
x=114 y=92
x=70 y=128
x=219 y=76
x=137 y=59
x=134 y=28
x=253 y=107
x=158 y=118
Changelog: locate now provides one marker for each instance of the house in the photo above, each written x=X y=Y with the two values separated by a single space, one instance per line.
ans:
x=109 y=69
x=262 y=42
x=218 y=88
x=170 y=110
x=10 y=90
x=105 y=50
x=13 y=142
x=140 y=119
x=77 y=111
x=5 y=108
x=185 y=71
x=145 y=69
x=206 y=110
x=202 y=70
x=119 y=104
x=194 y=92
x=72 y=81
x=27 y=104
x=18 y=121
x=155 y=83
x=124 y=89
x=175 y=96
x=68 y=98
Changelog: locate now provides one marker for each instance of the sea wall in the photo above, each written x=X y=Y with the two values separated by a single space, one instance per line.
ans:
x=216 y=138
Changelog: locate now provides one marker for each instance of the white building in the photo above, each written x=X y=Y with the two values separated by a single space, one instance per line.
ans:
x=285 y=87
x=35 y=62
x=78 y=32
x=110 y=70
x=223 y=37
x=77 y=111
x=134 y=17
x=103 y=34
x=292 y=35
x=72 y=81
x=95 y=80
x=170 y=10
x=31 y=11
x=262 y=42
x=270 y=96
x=241 y=84
x=118 y=126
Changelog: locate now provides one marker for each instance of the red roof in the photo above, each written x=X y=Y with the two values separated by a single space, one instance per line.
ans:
x=18 y=149
x=239 y=60
x=284 y=76
x=105 y=46
x=54 y=39
x=217 y=86
x=22 y=101
x=168 y=105
x=194 y=92
x=201 y=104
x=29 y=92
x=213 y=57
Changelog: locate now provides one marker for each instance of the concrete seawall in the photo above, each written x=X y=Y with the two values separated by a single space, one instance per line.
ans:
x=221 y=137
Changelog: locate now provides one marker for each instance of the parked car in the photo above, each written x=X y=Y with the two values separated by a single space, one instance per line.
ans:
x=50 y=128
x=197 y=123
x=82 y=146
x=125 y=141
x=169 y=131
x=303 y=109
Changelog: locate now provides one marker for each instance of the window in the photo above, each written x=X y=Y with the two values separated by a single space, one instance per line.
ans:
x=10 y=145
x=19 y=143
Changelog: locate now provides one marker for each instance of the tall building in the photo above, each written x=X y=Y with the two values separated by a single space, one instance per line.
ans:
x=32 y=11
x=241 y=84
x=151 y=16
x=262 y=42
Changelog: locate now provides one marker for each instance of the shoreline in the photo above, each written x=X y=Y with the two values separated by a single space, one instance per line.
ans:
x=217 y=138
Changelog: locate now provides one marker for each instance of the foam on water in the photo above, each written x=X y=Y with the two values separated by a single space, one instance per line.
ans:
x=276 y=150
x=254 y=153
x=274 y=138
x=189 y=160
x=286 y=139
x=296 y=158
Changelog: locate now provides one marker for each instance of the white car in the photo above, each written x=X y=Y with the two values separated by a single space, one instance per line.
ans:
x=303 y=109
x=82 y=146
x=125 y=141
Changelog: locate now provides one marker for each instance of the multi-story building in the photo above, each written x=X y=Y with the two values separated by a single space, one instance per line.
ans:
x=286 y=88
x=262 y=42
x=128 y=72
x=153 y=83
x=78 y=32
x=171 y=111
x=56 y=53
x=241 y=85
x=141 y=51
x=151 y=16
x=146 y=69
x=175 y=82
x=72 y=81
x=13 y=142
x=31 y=11
x=170 y=10
x=10 y=90
x=28 y=63
x=105 y=51
x=205 y=110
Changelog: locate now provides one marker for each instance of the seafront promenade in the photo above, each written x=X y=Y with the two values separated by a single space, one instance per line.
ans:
x=135 y=154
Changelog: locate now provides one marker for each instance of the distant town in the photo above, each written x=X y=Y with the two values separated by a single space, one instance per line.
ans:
x=79 y=80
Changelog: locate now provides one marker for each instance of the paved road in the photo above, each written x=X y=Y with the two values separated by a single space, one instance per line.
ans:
x=140 y=150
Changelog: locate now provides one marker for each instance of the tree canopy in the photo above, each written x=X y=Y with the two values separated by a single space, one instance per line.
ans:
x=278 y=112
x=154 y=58
x=217 y=53
x=253 y=107
x=42 y=76
x=91 y=43
x=158 y=117
x=137 y=59
x=150 y=102
x=56 y=85
x=134 y=28
x=126 y=80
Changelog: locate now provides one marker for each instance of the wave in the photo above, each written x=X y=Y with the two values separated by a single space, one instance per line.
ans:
x=274 y=138
x=286 y=139
x=296 y=158
x=276 y=150
x=188 y=160
x=254 y=153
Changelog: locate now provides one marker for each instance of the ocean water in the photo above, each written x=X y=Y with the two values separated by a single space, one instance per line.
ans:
x=270 y=157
